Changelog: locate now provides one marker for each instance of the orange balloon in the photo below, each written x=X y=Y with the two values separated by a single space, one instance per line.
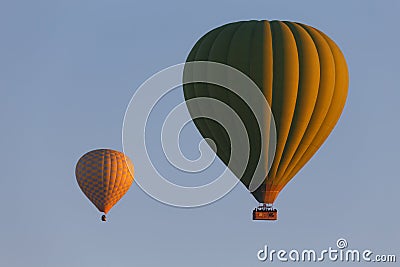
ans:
x=104 y=176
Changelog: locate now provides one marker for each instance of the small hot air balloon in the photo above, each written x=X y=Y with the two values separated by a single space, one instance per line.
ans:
x=302 y=74
x=104 y=176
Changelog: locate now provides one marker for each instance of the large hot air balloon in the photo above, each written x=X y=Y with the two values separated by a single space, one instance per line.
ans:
x=304 y=78
x=104 y=175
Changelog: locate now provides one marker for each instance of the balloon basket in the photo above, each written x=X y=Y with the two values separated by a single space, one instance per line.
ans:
x=265 y=214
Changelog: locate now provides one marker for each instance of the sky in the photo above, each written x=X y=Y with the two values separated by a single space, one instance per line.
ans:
x=68 y=70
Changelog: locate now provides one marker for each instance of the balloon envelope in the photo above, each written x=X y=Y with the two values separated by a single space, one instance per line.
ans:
x=302 y=74
x=104 y=176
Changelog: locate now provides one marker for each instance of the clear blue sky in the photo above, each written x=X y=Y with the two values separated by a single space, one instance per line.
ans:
x=67 y=72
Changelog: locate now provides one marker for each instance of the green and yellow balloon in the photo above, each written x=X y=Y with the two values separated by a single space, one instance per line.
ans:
x=303 y=75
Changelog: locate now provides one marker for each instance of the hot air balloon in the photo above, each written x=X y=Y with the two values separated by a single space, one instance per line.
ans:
x=104 y=176
x=303 y=75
